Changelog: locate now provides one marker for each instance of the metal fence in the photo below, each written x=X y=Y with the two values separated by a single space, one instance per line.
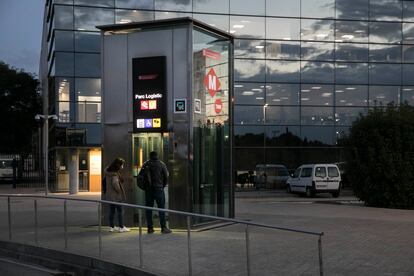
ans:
x=247 y=225
x=23 y=171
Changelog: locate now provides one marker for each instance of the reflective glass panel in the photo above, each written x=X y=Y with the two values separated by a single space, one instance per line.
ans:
x=408 y=33
x=62 y=1
x=320 y=51
x=88 y=112
x=408 y=53
x=247 y=26
x=167 y=15
x=407 y=95
x=282 y=115
x=213 y=6
x=282 y=94
x=383 y=95
x=249 y=7
x=88 y=88
x=249 y=93
x=384 y=53
x=351 y=52
x=64 y=112
x=88 y=42
x=279 y=136
x=282 y=28
x=318 y=8
x=386 y=10
x=64 y=64
x=63 y=17
x=87 y=18
x=249 y=136
x=128 y=16
x=282 y=71
x=249 y=48
x=249 y=70
x=385 y=74
x=316 y=95
x=87 y=65
x=317 y=136
x=408 y=11
x=385 y=32
x=283 y=8
x=352 y=9
x=351 y=31
x=345 y=116
x=247 y=159
x=218 y=21
x=317 y=72
x=176 y=5
x=95 y=3
x=353 y=73
x=92 y=133
x=63 y=40
x=282 y=49
x=319 y=30
x=135 y=4
x=63 y=88
x=317 y=115
x=351 y=95
x=248 y=115
x=408 y=73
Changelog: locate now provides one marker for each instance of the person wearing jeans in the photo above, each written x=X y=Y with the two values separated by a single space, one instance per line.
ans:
x=115 y=192
x=159 y=179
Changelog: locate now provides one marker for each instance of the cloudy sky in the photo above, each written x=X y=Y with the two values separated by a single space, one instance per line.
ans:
x=21 y=32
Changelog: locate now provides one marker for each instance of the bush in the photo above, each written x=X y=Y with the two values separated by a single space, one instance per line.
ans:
x=380 y=164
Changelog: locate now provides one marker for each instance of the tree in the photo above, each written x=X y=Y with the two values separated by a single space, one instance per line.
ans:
x=380 y=164
x=19 y=103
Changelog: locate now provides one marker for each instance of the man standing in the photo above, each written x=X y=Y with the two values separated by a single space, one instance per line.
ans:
x=159 y=179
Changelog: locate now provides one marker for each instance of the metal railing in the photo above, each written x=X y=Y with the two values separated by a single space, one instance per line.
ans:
x=140 y=208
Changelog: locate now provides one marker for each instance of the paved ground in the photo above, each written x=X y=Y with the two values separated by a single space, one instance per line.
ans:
x=358 y=240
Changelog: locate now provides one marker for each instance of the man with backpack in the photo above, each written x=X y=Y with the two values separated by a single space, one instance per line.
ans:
x=157 y=174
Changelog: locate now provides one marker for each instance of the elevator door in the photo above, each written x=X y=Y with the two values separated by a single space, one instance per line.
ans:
x=143 y=144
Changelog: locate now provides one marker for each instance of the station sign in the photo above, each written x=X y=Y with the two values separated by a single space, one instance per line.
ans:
x=180 y=105
x=149 y=94
x=212 y=82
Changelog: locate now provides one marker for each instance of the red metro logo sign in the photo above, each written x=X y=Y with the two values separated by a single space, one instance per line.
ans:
x=212 y=82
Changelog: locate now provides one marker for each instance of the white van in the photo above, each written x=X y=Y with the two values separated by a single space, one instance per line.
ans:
x=315 y=178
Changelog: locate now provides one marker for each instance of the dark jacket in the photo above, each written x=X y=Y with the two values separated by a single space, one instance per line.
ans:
x=159 y=173
x=114 y=190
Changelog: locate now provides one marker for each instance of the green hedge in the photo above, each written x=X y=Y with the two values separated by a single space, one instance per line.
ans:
x=380 y=163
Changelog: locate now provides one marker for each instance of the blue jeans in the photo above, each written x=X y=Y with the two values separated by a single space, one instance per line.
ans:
x=119 y=211
x=157 y=195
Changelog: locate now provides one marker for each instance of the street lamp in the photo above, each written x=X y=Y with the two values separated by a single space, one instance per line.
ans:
x=45 y=119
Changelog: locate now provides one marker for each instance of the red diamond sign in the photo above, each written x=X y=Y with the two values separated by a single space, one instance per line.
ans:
x=211 y=82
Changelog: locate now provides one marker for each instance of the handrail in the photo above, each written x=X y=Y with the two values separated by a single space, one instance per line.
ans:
x=140 y=207
x=171 y=211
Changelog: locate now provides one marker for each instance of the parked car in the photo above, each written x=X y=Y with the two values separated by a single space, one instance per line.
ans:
x=315 y=178
x=6 y=168
x=271 y=176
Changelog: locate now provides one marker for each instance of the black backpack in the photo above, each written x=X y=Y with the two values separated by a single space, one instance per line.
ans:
x=144 y=177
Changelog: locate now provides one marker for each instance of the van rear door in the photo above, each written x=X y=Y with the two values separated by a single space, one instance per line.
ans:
x=334 y=178
x=320 y=178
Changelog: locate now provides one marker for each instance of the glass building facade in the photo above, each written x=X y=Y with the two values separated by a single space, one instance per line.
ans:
x=303 y=69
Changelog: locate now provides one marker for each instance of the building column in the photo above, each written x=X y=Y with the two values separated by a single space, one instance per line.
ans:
x=73 y=171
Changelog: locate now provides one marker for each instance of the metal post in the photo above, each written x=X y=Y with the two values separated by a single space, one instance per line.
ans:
x=65 y=222
x=248 y=250
x=320 y=255
x=190 y=269
x=9 y=217
x=100 y=228
x=141 y=262
x=46 y=145
x=35 y=221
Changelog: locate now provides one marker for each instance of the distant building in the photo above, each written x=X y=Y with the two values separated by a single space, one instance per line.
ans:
x=304 y=70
